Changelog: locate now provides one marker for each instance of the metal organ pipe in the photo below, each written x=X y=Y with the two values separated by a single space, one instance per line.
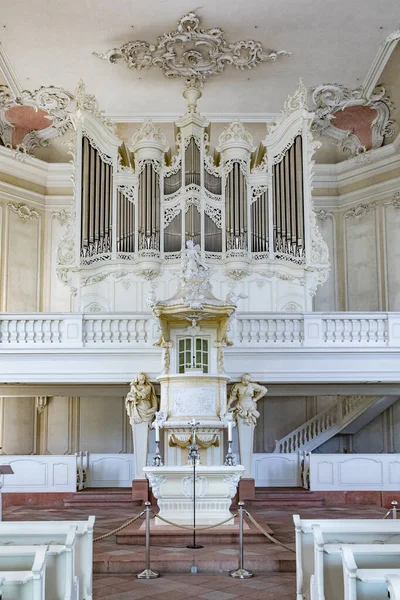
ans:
x=288 y=209
x=96 y=194
x=236 y=208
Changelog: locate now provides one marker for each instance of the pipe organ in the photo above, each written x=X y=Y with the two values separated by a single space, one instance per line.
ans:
x=248 y=208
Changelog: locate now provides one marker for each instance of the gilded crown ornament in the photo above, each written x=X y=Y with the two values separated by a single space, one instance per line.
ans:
x=192 y=52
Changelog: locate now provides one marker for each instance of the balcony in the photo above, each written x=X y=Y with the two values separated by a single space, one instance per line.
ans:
x=274 y=347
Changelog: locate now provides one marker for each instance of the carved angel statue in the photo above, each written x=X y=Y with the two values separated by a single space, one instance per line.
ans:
x=243 y=399
x=192 y=265
x=141 y=403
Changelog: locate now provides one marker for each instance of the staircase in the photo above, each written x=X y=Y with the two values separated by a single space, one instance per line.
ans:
x=346 y=411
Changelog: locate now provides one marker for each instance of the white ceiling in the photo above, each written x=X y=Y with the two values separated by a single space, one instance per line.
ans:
x=50 y=42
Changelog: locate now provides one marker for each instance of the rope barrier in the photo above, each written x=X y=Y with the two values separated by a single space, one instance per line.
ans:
x=195 y=528
x=106 y=535
x=269 y=536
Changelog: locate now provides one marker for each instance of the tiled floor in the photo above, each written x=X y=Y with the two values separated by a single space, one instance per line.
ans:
x=115 y=565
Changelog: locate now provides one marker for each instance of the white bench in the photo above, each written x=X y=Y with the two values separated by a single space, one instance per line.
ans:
x=336 y=531
x=393 y=586
x=366 y=583
x=327 y=580
x=55 y=533
x=25 y=579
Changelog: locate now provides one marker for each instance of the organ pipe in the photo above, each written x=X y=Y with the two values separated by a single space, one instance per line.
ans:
x=259 y=224
x=125 y=224
x=96 y=197
x=192 y=163
x=288 y=205
x=149 y=208
x=236 y=209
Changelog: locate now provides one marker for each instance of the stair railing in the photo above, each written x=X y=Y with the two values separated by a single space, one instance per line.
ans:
x=344 y=410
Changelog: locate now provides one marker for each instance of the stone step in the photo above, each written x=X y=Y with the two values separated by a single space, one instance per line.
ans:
x=286 y=496
x=207 y=560
x=167 y=535
x=102 y=497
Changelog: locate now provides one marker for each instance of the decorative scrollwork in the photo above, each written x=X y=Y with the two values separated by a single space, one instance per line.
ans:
x=236 y=132
x=88 y=102
x=258 y=191
x=297 y=101
x=23 y=211
x=360 y=211
x=128 y=191
x=106 y=158
x=170 y=212
x=149 y=132
x=331 y=98
x=53 y=101
x=215 y=214
x=192 y=52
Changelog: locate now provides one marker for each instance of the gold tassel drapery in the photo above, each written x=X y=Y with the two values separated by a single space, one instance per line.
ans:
x=174 y=441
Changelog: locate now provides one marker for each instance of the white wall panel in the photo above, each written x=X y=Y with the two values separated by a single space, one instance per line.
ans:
x=326 y=296
x=40 y=474
x=348 y=472
x=362 y=278
x=392 y=252
x=18 y=425
x=23 y=263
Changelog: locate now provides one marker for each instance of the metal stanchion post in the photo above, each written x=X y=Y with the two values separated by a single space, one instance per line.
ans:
x=393 y=511
x=148 y=573
x=241 y=572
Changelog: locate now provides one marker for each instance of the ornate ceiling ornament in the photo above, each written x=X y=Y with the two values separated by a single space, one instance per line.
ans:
x=190 y=51
x=88 y=102
x=355 y=123
x=33 y=118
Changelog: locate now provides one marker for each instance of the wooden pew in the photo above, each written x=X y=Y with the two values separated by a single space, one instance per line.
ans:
x=327 y=580
x=366 y=583
x=339 y=531
x=55 y=533
x=25 y=579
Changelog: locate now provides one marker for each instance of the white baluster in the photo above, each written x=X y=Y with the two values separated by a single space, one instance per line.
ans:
x=13 y=331
x=363 y=330
x=97 y=330
x=123 y=330
x=280 y=328
x=114 y=331
x=132 y=336
x=46 y=330
x=140 y=328
x=29 y=331
x=106 y=330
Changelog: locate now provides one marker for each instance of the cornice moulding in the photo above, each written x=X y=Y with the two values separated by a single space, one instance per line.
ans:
x=172 y=117
x=349 y=171
x=8 y=72
x=379 y=63
x=35 y=170
x=374 y=193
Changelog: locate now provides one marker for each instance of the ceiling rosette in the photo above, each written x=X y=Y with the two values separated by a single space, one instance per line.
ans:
x=192 y=52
